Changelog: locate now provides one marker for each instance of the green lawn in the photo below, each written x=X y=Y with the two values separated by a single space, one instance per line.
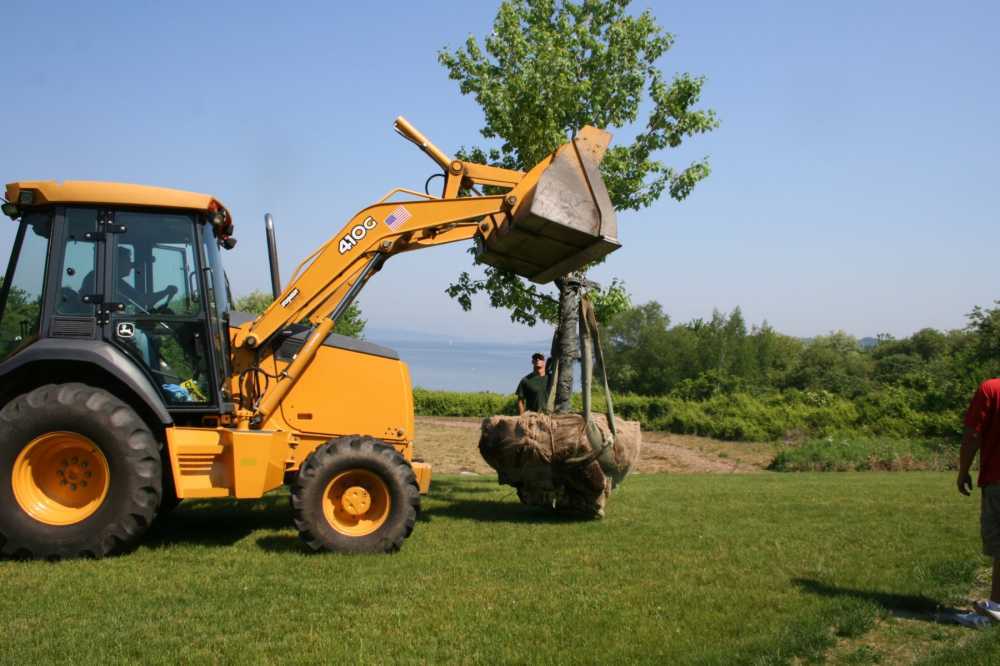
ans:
x=764 y=568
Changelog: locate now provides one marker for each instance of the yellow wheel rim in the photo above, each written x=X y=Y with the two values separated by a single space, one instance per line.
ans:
x=356 y=502
x=60 y=478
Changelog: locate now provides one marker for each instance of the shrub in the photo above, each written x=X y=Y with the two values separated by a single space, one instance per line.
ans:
x=846 y=453
x=454 y=403
x=890 y=413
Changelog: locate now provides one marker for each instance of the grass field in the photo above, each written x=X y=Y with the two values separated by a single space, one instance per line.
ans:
x=751 y=568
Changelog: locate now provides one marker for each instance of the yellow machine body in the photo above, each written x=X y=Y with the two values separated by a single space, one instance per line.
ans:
x=345 y=392
x=349 y=392
x=294 y=393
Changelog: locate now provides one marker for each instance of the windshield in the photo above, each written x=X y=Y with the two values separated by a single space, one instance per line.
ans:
x=217 y=291
x=220 y=283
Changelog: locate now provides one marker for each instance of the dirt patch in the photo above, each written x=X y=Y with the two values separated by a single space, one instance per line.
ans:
x=451 y=446
x=469 y=423
x=665 y=452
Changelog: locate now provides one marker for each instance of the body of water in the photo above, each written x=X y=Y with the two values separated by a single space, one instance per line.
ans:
x=465 y=366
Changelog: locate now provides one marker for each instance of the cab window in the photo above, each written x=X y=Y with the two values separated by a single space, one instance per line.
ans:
x=24 y=284
x=79 y=264
x=154 y=264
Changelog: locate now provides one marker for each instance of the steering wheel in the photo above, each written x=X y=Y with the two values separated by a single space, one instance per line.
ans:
x=166 y=376
x=171 y=291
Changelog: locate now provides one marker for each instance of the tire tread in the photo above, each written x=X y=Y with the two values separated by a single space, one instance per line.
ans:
x=137 y=451
x=356 y=446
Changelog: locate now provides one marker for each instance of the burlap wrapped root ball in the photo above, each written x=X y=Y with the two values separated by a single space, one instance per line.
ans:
x=550 y=462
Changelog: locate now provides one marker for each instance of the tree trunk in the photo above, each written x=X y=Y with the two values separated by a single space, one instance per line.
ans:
x=566 y=341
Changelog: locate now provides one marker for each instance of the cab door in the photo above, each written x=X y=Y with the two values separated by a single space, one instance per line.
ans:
x=154 y=308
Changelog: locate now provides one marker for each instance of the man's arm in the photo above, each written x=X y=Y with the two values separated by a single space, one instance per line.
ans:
x=970 y=446
x=520 y=396
x=520 y=405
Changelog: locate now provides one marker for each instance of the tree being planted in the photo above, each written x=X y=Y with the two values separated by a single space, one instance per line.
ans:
x=547 y=69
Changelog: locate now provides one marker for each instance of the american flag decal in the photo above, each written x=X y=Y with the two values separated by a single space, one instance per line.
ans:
x=397 y=217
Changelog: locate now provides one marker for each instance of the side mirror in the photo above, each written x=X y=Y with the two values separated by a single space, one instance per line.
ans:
x=10 y=210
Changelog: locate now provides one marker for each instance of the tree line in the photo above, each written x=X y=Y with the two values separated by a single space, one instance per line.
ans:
x=931 y=372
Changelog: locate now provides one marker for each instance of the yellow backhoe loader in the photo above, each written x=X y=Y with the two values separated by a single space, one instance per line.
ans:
x=127 y=384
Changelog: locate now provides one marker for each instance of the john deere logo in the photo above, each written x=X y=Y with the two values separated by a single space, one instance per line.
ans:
x=126 y=329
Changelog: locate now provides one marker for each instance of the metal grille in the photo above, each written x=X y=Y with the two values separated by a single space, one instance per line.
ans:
x=65 y=327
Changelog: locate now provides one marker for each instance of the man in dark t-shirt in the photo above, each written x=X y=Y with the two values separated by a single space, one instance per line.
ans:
x=982 y=435
x=531 y=389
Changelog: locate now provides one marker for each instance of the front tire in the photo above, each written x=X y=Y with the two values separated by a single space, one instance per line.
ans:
x=355 y=495
x=80 y=474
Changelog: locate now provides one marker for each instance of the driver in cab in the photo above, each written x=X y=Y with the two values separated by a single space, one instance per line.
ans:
x=130 y=294
x=138 y=339
x=132 y=298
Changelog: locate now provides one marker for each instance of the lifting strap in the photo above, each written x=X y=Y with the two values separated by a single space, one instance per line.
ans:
x=591 y=332
x=601 y=445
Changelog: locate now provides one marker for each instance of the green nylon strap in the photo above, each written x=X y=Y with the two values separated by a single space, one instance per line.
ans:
x=594 y=333
x=602 y=447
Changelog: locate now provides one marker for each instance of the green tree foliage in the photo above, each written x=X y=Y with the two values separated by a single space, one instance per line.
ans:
x=550 y=67
x=717 y=377
x=985 y=323
x=834 y=363
x=639 y=356
x=253 y=303
x=696 y=359
x=19 y=320
x=350 y=323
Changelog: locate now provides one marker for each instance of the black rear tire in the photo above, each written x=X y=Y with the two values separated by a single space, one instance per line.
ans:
x=134 y=482
x=364 y=456
x=168 y=496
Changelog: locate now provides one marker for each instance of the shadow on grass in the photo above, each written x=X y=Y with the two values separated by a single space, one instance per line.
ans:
x=499 y=512
x=284 y=544
x=471 y=485
x=218 y=522
x=226 y=522
x=909 y=606
x=455 y=494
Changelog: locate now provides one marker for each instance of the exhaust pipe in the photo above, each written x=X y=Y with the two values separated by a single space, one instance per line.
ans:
x=272 y=256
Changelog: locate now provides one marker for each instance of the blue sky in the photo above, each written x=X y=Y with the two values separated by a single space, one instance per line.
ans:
x=854 y=179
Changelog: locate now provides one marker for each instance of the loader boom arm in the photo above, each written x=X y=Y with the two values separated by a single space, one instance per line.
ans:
x=326 y=281
x=388 y=227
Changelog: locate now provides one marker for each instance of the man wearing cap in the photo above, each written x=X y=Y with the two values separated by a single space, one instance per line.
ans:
x=982 y=435
x=531 y=389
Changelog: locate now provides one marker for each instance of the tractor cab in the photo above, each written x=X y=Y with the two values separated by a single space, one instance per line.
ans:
x=129 y=272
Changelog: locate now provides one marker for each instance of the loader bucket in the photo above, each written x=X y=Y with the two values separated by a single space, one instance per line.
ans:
x=565 y=221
